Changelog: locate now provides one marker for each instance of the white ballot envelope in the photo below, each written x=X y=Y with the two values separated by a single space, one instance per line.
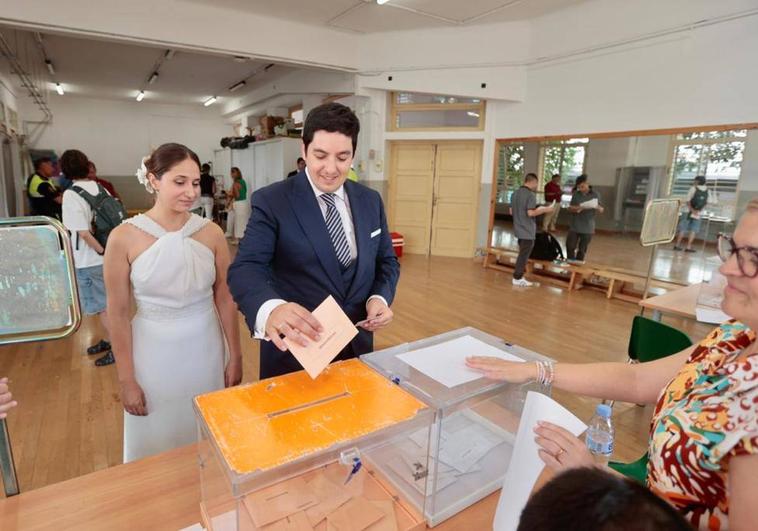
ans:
x=526 y=466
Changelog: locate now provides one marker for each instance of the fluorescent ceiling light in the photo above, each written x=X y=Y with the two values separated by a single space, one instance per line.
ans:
x=210 y=101
x=382 y=2
x=237 y=86
x=59 y=89
x=152 y=79
x=141 y=95
x=50 y=67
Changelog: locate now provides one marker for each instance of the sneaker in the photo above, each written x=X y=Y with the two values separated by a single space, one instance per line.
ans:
x=105 y=360
x=522 y=283
x=677 y=248
x=690 y=251
x=100 y=346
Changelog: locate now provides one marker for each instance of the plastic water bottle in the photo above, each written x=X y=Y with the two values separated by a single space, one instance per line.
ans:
x=600 y=434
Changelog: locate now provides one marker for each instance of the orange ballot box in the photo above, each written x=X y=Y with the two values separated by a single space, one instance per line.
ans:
x=294 y=453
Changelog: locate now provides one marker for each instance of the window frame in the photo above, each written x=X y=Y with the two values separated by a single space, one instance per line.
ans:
x=396 y=108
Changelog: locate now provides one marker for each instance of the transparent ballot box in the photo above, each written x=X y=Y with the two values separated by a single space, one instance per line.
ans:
x=294 y=453
x=476 y=419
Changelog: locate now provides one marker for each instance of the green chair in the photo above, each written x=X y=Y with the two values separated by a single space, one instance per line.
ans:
x=649 y=341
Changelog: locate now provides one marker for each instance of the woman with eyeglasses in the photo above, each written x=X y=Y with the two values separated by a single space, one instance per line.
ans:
x=703 y=451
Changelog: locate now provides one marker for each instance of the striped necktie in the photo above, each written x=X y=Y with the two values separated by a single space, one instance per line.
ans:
x=336 y=230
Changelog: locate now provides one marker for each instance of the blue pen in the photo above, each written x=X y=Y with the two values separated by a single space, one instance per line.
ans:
x=356 y=467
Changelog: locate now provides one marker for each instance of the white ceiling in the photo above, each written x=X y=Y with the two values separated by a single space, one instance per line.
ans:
x=365 y=16
x=107 y=69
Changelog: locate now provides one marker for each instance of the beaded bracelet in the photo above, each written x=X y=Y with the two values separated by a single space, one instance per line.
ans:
x=545 y=372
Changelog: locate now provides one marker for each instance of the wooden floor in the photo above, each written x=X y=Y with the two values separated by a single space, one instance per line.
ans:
x=623 y=251
x=69 y=420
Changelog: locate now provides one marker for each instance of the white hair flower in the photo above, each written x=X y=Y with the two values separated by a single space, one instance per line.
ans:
x=142 y=176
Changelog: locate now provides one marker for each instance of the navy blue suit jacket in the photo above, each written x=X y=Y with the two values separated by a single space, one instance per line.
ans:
x=287 y=253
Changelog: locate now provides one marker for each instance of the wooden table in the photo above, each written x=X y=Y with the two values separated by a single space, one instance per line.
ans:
x=157 y=493
x=680 y=302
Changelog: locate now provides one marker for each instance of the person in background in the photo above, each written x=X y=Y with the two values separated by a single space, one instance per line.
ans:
x=553 y=192
x=238 y=207
x=525 y=210
x=207 y=190
x=6 y=398
x=44 y=196
x=703 y=448
x=88 y=253
x=591 y=498
x=582 y=224
x=697 y=199
x=92 y=176
x=300 y=167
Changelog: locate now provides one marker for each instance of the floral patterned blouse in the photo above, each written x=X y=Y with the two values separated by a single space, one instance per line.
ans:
x=705 y=416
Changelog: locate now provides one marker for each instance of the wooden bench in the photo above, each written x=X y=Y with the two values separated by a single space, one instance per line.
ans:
x=614 y=282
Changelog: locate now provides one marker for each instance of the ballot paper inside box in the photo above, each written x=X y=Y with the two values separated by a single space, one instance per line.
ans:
x=471 y=440
x=294 y=453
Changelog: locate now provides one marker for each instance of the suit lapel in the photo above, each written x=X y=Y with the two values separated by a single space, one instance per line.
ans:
x=361 y=231
x=306 y=208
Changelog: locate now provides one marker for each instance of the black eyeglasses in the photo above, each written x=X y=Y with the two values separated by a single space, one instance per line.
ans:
x=747 y=257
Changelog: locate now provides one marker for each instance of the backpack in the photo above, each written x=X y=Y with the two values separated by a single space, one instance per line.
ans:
x=699 y=200
x=546 y=247
x=107 y=212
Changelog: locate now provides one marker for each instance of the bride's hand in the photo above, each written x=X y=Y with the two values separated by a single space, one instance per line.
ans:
x=497 y=369
x=133 y=398
x=233 y=372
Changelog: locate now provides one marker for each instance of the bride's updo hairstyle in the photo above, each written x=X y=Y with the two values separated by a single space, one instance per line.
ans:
x=167 y=156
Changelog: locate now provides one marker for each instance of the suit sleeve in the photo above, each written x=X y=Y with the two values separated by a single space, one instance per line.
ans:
x=249 y=278
x=387 y=270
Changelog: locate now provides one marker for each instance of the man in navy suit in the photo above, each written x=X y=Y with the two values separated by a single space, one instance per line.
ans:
x=311 y=236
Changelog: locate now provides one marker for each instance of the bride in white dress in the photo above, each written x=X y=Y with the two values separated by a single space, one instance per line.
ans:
x=174 y=263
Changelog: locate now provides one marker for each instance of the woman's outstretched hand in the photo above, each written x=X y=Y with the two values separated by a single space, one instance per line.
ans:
x=498 y=369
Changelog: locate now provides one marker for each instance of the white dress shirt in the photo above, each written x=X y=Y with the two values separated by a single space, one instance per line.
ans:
x=342 y=203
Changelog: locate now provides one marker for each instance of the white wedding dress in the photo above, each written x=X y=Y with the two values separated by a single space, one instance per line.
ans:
x=177 y=341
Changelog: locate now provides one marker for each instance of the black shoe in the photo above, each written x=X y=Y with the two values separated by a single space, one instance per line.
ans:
x=99 y=347
x=690 y=251
x=105 y=360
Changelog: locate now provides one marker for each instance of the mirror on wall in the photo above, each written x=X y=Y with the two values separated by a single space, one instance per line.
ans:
x=626 y=171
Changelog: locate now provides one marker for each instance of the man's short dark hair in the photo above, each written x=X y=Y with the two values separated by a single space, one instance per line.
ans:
x=556 y=175
x=331 y=117
x=700 y=180
x=40 y=161
x=205 y=168
x=74 y=164
x=589 y=498
x=530 y=177
x=300 y=159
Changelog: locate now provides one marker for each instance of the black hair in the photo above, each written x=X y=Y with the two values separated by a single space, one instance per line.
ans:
x=74 y=164
x=40 y=161
x=556 y=175
x=205 y=167
x=579 y=180
x=300 y=159
x=530 y=177
x=589 y=498
x=700 y=180
x=331 y=117
x=167 y=156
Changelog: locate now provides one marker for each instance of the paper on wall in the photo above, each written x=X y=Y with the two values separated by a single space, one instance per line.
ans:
x=526 y=465
x=446 y=362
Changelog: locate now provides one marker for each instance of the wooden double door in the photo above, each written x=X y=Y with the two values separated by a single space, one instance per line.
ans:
x=434 y=195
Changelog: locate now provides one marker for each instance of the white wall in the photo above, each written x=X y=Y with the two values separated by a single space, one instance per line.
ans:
x=117 y=134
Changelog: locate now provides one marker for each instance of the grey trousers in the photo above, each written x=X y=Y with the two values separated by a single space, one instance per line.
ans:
x=524 y=250
x=576 y=245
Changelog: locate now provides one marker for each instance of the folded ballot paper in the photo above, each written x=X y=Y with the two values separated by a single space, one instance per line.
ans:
x=526 y=465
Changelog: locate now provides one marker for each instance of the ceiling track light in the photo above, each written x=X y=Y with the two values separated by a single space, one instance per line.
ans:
x=50 y=67
x=59 y=88
x=141 y=95
x=237 y=86
x=210 y=101
x=382 y=2
x=153 y=78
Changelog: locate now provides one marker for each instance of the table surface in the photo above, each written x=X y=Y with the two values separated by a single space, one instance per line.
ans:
x=680 y=301
x=157 y=493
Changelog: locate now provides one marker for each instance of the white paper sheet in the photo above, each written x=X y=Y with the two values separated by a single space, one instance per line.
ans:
x=592 y=203
x=446 y=362
x=526 y=465
x=710 y=315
